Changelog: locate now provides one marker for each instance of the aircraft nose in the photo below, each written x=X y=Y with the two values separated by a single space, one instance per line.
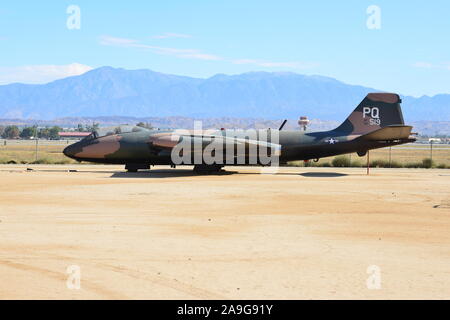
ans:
x=70 y=151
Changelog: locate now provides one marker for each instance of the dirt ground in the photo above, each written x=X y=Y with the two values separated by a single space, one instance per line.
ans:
x=304 y=233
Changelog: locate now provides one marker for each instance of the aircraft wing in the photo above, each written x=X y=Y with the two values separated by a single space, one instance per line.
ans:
x=227 y=141
x=169 y=140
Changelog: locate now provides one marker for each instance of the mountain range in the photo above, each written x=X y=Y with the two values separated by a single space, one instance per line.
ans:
x=108 y=91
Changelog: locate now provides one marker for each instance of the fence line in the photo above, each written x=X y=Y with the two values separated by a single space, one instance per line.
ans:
x=28 y=151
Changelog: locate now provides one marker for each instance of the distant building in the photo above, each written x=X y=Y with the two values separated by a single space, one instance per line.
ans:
x=435 y=140
x=73 y=134
x=303 y=122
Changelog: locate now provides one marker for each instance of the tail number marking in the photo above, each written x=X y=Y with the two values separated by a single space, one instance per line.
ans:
x=374 y=114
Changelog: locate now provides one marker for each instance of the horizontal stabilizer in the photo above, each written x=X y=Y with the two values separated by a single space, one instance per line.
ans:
x=388 y=133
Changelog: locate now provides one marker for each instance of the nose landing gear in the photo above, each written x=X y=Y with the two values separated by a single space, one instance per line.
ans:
x=134 y=167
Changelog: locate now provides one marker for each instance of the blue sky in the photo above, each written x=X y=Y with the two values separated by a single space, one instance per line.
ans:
x=409 y=54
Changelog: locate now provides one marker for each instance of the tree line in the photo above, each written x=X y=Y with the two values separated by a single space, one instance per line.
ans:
x=14 y=132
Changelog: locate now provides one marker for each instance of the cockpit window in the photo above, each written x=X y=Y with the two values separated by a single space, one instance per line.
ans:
x=90 y=137
x=107 y=131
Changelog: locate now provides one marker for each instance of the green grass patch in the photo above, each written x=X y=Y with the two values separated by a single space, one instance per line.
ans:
x=344 y=161
x=341 y=161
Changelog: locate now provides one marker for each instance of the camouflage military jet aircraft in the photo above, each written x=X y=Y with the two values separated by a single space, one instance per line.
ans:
x=377 y=122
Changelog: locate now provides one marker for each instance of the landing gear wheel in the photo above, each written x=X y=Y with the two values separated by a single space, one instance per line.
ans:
x=362 y=153
x=208 y=169
x=134 y=167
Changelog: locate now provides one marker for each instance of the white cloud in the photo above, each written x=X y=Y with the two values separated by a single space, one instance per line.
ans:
x=429 y=65
x=180 y=53
x=274 y=64
x=197 y=54
x=40 y=73
x=171 y=35
x=422 y=64
x=114 y=41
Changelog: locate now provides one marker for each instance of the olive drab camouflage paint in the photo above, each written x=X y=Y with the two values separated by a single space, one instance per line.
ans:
x=376 y=122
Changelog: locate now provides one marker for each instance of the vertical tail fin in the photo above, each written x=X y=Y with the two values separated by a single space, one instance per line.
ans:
x=376 y=111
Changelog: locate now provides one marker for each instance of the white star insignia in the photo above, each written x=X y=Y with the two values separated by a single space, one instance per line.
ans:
x=331 y=141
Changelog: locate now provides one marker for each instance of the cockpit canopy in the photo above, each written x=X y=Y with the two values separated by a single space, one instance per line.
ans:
x=107 y=131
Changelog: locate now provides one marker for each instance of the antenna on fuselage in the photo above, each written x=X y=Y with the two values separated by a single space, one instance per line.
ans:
x=282 y=125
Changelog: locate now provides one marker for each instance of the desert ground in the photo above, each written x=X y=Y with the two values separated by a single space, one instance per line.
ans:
x=303 y=233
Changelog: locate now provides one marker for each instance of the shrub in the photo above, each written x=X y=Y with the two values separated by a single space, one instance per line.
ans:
x=378 y=163
x=341 y=161
x=325 y=164
x=441 y=166
x=312 y=163
x=295 y=164
x=66 y=161
x=356 y=163
x=413 y=165
x=42 y=161
x=428 y=163
x=396 y=164
x=308 y=164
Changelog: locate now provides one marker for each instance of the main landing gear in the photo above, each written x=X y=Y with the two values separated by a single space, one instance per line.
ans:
x=199 y=168
x=134 y=167
x=208 y=169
